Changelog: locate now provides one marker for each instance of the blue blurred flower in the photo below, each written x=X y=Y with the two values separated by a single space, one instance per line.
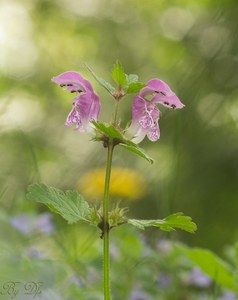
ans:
x=164 y=245
x=114 y=252
x=21 y=223
x=26 y=223
x=137 y=294
x=74 y=279
x=227 y=296
x=198 y=278
x=43 y=223
x=34 y=252
x=164 y=280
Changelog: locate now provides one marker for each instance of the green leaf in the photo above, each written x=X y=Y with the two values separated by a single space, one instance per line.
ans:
x=70 y=204
x=118 y=75
x=131 y=78
x=102 y=82
x=170 y=223
x=109 y=130
x=140 y=224
x=112 y=132
x=212 y=265
x=137 y=150
x=135 y=87
x=178 y=220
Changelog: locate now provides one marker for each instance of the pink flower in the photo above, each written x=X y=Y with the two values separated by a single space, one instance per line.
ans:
x=86 y=105
x=145 y=114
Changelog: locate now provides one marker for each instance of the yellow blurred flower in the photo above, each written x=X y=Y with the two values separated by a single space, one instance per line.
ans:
x=125 y=183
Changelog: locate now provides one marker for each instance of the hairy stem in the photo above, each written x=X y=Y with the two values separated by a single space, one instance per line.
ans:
x=106 y=255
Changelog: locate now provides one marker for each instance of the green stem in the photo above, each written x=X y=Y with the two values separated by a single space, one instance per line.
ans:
x=116 y=112
x=106 y=255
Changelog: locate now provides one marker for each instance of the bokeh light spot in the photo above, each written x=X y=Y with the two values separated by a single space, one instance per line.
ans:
x=125 y=183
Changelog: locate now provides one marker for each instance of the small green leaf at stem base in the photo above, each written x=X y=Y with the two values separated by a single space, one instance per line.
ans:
x=172 y=222
x=70 y=204
x=109 y=131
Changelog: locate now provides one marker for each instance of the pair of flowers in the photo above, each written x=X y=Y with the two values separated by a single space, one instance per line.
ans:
x=145 y=114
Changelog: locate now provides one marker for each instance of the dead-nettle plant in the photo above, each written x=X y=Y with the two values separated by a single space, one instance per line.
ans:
x=84 y=117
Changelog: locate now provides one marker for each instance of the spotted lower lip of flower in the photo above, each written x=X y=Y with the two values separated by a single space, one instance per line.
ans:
x=86 y=106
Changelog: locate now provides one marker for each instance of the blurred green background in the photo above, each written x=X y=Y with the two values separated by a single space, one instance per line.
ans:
x=192 y=45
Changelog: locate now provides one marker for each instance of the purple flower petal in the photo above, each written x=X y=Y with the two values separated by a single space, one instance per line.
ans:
x=86 y=106
x=171 y=101
x=156 y=86
x=161 y=94
x=73 y=82
x=154 y=133
x=74 y=118
x=145 y=114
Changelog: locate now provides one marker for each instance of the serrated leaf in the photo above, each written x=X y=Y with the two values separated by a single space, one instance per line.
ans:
x=140 y=224
x=102 y=82
x=212 y=265
x=70 y=204
x=135 y=87
x=53 y=209
x=172 y=222
x=137 y=150
x=118 y=75
x=180 y=221
x=131 y=78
